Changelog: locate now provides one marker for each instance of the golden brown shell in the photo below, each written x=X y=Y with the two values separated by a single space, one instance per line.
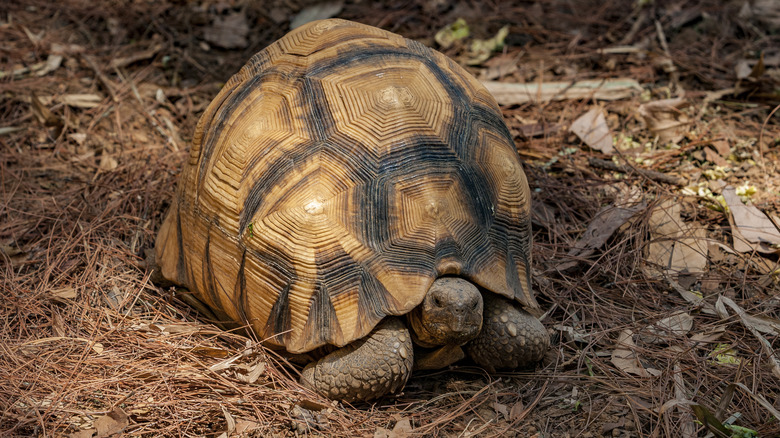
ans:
x=334 y=177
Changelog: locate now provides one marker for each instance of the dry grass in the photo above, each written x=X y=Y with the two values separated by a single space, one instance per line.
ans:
x=83 y=187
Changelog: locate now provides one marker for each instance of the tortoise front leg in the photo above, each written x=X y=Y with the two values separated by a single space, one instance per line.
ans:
x=366 y=369
x=510 y=336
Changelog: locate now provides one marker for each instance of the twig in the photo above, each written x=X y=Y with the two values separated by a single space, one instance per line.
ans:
x=651 y=174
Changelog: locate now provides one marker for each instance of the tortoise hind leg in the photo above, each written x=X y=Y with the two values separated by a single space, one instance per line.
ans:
x=366 y=369
x=510 y=336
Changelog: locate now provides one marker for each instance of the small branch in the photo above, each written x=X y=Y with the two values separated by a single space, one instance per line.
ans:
x=650 y=174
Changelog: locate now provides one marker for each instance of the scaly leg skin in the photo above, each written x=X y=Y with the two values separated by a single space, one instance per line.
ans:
x=366 y=369
x=510 y=336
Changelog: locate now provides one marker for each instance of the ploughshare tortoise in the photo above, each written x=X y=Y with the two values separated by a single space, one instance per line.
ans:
x=357 y=194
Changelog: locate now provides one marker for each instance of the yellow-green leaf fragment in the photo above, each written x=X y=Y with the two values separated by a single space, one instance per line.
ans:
x=725 y=355
x=447 y=36
x=481 y=49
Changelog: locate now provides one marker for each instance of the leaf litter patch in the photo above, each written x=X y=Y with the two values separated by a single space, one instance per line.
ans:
x=656 y=259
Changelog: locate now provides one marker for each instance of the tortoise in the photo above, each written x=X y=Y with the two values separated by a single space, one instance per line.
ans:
x=355 y=193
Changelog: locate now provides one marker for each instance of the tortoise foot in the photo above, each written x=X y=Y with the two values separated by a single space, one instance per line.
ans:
x=365 y=369
x=510 y=336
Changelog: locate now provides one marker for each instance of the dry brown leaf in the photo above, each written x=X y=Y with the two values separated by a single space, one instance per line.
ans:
x=318 y=11
x=42 y=113
x=516 y=411
x=217 y=353
x=112 y=423
x=250 y=373
x=81 y=100
x=136 y=56
x=722 y=146
x=107 y=162
x=229 y=420
x=53 y=62
x=753 y=225
x=403 y=426
x=502 y=409
x=624 y=357
x=498 y=67
x=678 y=324
x=665 y=119
x=229 y=31
x=86 y=433
x=592 y=129
x=710 y=335
x=677 y=247
x=688 y=426
x=714 y=157
x=15 y=255
x=603 y=225
x=755 y=326
x=245 y=426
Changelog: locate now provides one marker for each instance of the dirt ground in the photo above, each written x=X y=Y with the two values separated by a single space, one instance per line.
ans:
x=655 y=250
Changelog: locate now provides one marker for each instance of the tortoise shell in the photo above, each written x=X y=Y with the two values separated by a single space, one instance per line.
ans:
x=335 y=177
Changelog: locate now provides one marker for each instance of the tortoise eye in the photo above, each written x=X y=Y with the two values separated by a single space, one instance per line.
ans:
x=437 y=301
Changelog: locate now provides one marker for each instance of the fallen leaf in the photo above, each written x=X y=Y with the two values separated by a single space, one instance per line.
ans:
x=81 y=100
x=725 y=355
x=709 y=336
x=516 y=411
x=217 y=353
x=573 y=333
x=481 y=50
x=676 y=247
x=244 y=426
x=592 y=129
x=229 y=31
x=43 y=114
x=722 y=146
x=250 y=374
x=308 y=420
x=53 y=62
x=136 y=56
x=755 y=326
x=603 y=225
x=706 y=418
x=13 y=254
x=229 y=420
x=715 y=158
x=447 y=36
x=107 y=162
x=752 y=223
x=402 y=426
x=678 y=324
x=763 y=12
x=499 y=66
x=608 y=89
x=627 y=360
x=502 y=409
x=112 y=423
x=319 y=11
x=665 y=119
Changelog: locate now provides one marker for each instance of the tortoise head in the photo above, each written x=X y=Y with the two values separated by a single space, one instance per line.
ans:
x=450 y=314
